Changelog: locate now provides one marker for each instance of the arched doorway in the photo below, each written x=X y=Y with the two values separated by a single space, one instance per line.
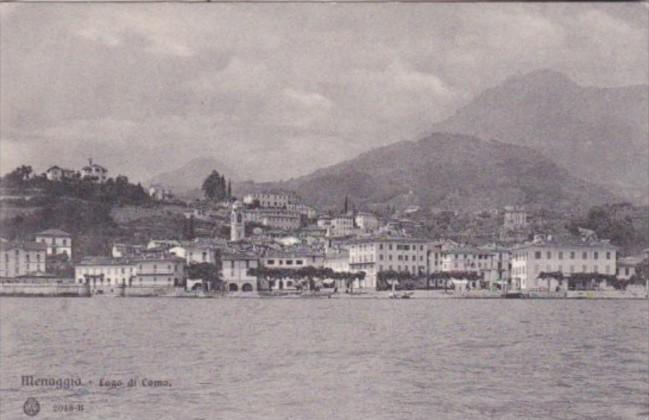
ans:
x=233 y=287
x=247 y=287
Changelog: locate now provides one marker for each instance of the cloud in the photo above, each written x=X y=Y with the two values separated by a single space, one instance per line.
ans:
x=144 y=86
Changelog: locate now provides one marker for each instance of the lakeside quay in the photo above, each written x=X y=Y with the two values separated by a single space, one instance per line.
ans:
x=72 y=290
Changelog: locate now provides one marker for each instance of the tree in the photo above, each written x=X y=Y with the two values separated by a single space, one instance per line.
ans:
x=207 y=272
x=229 y=188
x=214 y=186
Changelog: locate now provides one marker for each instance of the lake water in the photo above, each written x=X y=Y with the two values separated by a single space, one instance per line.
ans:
x=329 y=358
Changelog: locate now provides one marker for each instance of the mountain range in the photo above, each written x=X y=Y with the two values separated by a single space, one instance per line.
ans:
x=598 y=134
x=446 y=171
x=535 y=139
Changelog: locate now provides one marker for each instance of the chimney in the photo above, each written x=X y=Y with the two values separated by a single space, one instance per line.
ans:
x=90 y=161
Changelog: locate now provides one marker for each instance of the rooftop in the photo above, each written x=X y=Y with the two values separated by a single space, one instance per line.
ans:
x=53 y=232
x=27 y=246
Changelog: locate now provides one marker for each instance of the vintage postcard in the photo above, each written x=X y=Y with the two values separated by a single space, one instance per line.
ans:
x=324 y=210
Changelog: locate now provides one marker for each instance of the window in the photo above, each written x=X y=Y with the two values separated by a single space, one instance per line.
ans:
x=380 y=246
x=299 y=262
x=572 y=255
x=289 y=262
x=608 y=255
x=560 y=255
x=595 y=255
x=584 y=255
x=549 y=254
x=270 y=262
x=537 y=255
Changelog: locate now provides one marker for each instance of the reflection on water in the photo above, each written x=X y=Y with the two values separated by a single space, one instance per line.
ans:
x=324 y=359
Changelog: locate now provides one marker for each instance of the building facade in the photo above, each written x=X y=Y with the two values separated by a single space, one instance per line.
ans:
x=234 y=272
x=57 y=241
x=94 y=172
x=56 y=173
x=271 y=199
x=376 y=254
x=22 y=258
x=567 y=256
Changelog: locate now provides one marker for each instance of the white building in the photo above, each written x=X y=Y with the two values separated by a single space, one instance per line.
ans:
x=366 y=221
x=342 y=225
x=271 y=199
x=160 y=192
x=58 y=242
x=376 y=254
x=160 y=272
x=195 y=253
x=104 y=274
x=94 y=172
x=626 y=267
x=292 y=258
x=273 y=218
x=515 y=218
x=567 y=256
x=302 y=209
x=107 y=275
x=56 y=173
x=234 y=272
x=22 y=258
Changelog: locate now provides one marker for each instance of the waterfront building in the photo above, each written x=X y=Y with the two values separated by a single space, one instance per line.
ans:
x=234 y=271
x=105 y=274
x=292 y=258
x=383 y=253
x=22 y=258
x=58 y=242
x=626 y=266
x=566 y=255
x=338 y=261
x=94 y=172
x=160 y=272
x=471 y=260
x=56 y=173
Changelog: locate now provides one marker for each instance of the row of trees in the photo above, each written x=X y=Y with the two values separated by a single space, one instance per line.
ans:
x=408 y=280
x=216 y=188
x=308 y=277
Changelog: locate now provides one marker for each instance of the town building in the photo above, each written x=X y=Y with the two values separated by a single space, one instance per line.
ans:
x=515 y=217
x=626 y=266
x=160 y=272
x=271 y=199
x=273 y=218
x=22 y=258
x=56 y=173
x=58 y=242
x=292 y=258
x=235 y=271
x=341 y=225
x=366 y=221
x=302 y=209
x=94 y=172
x=563 y=255
x=375 y=254
x=105 y=274
x=194 y=252
x=338 y=261
x=160 y=192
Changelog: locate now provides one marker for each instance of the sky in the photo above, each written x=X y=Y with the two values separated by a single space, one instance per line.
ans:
x=277 y=90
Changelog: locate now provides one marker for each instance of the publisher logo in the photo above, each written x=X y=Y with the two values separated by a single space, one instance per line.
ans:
x=31 y=407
